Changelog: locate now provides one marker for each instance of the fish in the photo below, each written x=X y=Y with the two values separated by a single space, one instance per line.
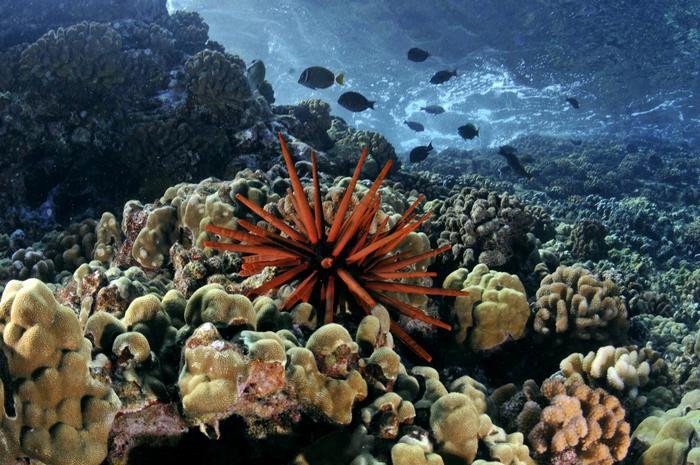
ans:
x=355 y=102
x=318 y=77
x=420 y=153
x=573 y=102
x=576 y=141
x=508 y=152
x=415 y=126
x=433 y=109
x=255 y=74
x=468 y=131
x=443 y=76
x=417 y=54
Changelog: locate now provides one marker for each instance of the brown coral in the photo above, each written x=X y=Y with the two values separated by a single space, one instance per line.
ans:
x=481 y=227
x=588 y=421
x=571 y=302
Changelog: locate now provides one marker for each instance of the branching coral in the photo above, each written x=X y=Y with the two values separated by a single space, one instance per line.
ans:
x=481 y=227
x=583 y=424
x=624 y=369
x=351 y=256
x=572 y=302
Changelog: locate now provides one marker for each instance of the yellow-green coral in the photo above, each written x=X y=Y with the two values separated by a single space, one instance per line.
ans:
x=211 y=303
x=454 y=421
x=321 y=394
x=494 y=311
x=153 y=242
x=63 y=415
x=669 y=438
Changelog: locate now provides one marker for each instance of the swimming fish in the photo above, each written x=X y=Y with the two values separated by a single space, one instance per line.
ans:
x=468 y=131
x=420 y=153
x=417 y=54
x=508 y=152
x=576 y=141
x=443 y=76
x=433 y=109
x=573 y=102
x=354 y=101
x=318 y=77
x=415 y=126
x=255 y=74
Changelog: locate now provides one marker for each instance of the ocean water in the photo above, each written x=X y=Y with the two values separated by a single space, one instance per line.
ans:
x=632 y=68
x=197 y=267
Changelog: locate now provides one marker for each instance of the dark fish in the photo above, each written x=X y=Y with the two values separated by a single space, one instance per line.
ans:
x=417 y=54
x=443 y=76
x=318 y=77
x=355 y=102
x=468 y=131
x=415 y=126
x=508 y=152
x=576 y=141
x=420 y=153
x=433 y=109
x=573 y=102
x=255 y=74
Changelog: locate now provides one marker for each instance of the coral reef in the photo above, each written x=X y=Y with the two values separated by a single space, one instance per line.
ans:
x=580 y=425
x=588 y=240
x=352 y=249
x=271 y=302
x=482 y=227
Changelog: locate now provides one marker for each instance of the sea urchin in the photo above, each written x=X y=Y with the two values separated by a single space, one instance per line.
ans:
x=348 y=258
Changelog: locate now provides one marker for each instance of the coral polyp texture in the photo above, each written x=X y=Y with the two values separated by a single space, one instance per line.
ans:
x=342 y=255
x=62 y=415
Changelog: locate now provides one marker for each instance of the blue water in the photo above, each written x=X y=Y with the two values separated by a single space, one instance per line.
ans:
x=510 y=82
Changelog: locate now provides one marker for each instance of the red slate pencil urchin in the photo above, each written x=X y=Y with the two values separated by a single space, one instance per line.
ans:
x=342 y=260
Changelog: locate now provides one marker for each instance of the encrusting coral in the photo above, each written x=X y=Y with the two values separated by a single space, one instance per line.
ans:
x=345 y=253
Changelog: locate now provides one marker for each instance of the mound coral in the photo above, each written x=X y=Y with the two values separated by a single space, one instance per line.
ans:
x=351 y=256
x=495 y=309
x=587 y=240
x=671 y=437
x=62 y=415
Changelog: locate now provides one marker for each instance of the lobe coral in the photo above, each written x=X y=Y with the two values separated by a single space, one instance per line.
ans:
x=352 y=255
